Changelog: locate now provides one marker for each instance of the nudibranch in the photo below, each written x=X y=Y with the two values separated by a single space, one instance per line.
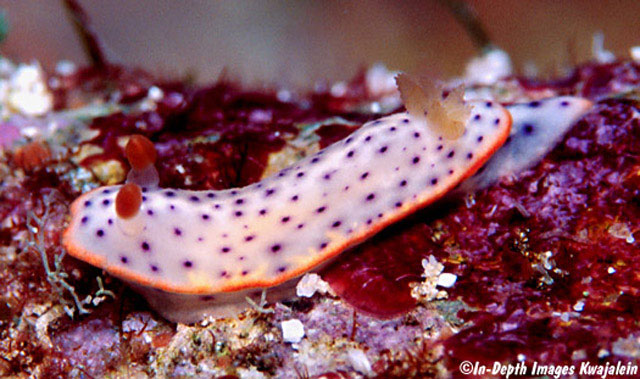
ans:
x=193 y=253
x=198 y=253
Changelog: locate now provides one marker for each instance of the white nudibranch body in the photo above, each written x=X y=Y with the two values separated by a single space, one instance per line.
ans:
x=201 y=252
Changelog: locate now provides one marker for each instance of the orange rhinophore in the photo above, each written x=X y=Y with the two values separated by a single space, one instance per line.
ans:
x=128 y=200
x=140 y=152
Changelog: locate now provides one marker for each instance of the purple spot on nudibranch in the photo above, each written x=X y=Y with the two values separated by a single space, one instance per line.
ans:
x=144 y=189
x=451 y=172
x=315 y=160
x=489 y=104
x=368 y=138
x=350 y=154
x=124 y=259
x=326 y=176
x=233 y=193
x=323 y=245
x=406 y=120
x=392 y=129
x=106 y=192
x=110 y=221
x=172 y=207
x=187 y=264
x=249 y=238
x=275 y=248
x=150 y=212
x=87 y=204
x=262 y=212
x=269 y=192
x=169 y=194
x=194 y=198
x=440 y=147
x=434 y=181
x=346 y=188
x=100 y=233
x=211 y=195
x=84 y=219
x=244 y=272
x=564 y=103
x=477 y=117
x=451 y=154
x=154 y=268
x=177 y=231
x=470 y=155
x=321 y=209
x=496 y=121
x=415 y=160
x=300 y=174
x=371 y=196
x=348 y=140
x=294 y=198
x=416 y=135
x=383 y=149
x=238 y=214
x=364 y=175
x=282 y=268
x=240 y=201
x=225 y=249
x=300 y=226
x=403 y=183
x=336 y=224
x=369 y=221
x=106 y=202
x=480 y=138
x=398 y=204
x=145 y=246
x=528 y=129
x=144 y=199
x=205 y=217
x=285 y=219
x=534 y=104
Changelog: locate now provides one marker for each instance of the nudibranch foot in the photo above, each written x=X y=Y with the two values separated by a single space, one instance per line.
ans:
x=223 y=243
x=191 y=308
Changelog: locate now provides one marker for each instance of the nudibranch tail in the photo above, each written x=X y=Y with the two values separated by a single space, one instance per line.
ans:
x=212 y=247
x=537 y=128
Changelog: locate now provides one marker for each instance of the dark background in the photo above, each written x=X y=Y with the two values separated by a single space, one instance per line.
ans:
x=298 y=42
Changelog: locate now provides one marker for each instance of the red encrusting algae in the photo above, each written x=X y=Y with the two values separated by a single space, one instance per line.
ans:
x=546 y=264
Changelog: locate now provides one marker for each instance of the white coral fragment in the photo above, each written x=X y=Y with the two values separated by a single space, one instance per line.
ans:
x=447 y=280
x=359 y=361
x=292 y=330
x=26 y=92
x=488 y=68
x=310 y=284
x=426 y=290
